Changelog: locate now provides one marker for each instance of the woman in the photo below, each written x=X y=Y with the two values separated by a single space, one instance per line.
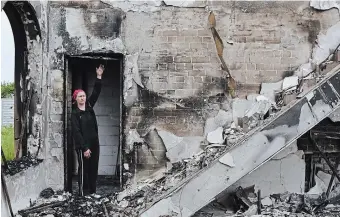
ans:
x=85 y=135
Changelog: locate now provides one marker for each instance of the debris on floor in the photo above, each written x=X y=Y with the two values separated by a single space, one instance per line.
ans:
x=16 y=166
x=277 y=205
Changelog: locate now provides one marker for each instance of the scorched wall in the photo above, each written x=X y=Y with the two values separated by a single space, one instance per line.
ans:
x=172 y=77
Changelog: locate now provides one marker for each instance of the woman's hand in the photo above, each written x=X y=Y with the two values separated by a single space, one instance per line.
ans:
x=100 y=71
x=87 y=153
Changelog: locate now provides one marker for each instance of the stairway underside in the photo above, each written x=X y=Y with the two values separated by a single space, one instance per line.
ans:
x=257 y=147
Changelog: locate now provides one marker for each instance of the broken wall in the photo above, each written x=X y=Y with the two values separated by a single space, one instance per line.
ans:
x=172 y=76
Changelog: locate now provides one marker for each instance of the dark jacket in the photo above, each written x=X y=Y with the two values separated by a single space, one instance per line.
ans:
x=84 y=123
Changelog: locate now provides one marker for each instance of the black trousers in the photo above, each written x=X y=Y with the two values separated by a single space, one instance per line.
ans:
x=88 y=171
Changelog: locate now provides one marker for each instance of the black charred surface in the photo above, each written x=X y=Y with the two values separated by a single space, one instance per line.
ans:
x=46 y=193
x=71 y=44
x=29 y=18
x=107 y=22
x=312 y=27
x=21 y=164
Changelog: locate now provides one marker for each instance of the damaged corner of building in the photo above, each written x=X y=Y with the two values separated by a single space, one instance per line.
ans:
x=206 y=108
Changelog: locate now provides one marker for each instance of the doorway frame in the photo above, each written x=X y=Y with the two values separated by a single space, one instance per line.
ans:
x=68 y=147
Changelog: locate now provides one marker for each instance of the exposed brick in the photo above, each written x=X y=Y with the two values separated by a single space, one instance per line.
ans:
x=184 y=93
x=181 y=59
x=198 y=45
x=159 y=85
x=200 y=59
x=198 y=79
x=197 y=73
x=177 y=86
x=198 y=66
x=240 y=39
x=180 y=66
x=180 y=45
x=288 y=60
x=172 y=39
x=237 y=66
x=135 y=119
x=207 y=39
x=267 y=53
x=262 y=66
x=162 y=112
x=279 y=66
x=171 y=66
x=243 y=33
x=203 y=32
x=277 y=53
x=251 y=66
x=181 y=38
x=170 y=92
x=163 y=39
x=162 y=66
x=166 y=59
x=171 y=120
x=188 y=32
x=172 y=32
x=179 y=79
x=286 y=53
x=191 y=39
x=250 y=39
x=188 y=66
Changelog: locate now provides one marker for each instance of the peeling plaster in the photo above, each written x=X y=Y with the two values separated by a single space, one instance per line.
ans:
x=326 y=43
x=131 y=80
x=187 y=3
x=325 y=4
x=180 y=148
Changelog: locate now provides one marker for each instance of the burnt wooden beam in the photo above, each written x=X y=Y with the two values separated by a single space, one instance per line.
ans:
x=332 y=178
x=40 y=208
x=324 y=156
x=328 y=134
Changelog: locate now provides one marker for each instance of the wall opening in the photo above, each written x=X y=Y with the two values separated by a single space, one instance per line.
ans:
x=80 y=73
x=24 y=24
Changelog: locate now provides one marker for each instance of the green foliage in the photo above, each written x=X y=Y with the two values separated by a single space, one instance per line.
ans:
x=7 y=89
x=7 y=141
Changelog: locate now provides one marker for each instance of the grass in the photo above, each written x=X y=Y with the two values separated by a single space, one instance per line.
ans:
x=7 y=141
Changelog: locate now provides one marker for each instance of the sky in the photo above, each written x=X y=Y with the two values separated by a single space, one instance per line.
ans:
x=7 y=50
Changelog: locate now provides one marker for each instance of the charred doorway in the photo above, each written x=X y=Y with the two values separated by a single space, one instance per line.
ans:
x=81 y=74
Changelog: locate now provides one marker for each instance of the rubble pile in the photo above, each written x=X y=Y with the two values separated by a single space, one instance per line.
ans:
x=20 y=164
x=278 y=205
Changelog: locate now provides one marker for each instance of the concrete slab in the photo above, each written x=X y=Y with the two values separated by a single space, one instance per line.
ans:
x=179 y=148
x=216 y=137
x=24 y=187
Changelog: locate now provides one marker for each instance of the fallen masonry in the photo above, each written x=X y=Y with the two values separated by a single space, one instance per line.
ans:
x=133 y=200
x=62 y=204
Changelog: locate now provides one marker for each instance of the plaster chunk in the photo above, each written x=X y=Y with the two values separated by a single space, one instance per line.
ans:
x=216 y=137
x=187 y=3
x=228 y=160
x=325 y=4
x=290 y=83
x=240 y=106
x=266 y=201
x=132 y=138
x=326 y=43
x=269 y=89
x=222 y=118
x=179 y=148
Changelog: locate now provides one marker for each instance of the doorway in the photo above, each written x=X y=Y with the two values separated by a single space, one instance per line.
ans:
x=80 y=73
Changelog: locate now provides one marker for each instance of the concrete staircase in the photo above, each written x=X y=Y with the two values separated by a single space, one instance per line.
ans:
x=256 y=148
